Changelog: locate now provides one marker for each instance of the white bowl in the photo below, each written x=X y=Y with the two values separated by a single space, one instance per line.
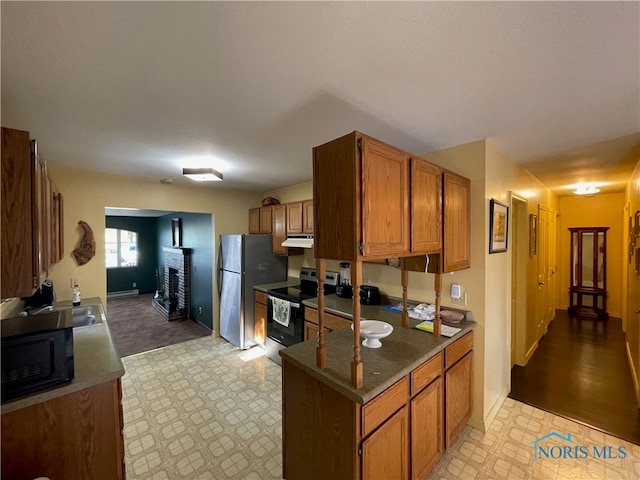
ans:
x=373 y=331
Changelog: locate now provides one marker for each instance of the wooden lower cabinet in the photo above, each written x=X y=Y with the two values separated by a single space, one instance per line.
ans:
x=74 y=437
x=331 y=323
x=260 y=317
x=459 y=396
x=399 y=434
x=385 y=453
x=427 y=429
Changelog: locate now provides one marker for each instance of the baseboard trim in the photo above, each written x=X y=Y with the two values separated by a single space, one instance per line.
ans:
x=204 y=327
x=496 y=407
x=123 y=293
x=634 y=374
x=530 y=353
x=477 y=424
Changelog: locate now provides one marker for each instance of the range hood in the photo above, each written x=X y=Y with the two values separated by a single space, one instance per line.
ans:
x=299 y=241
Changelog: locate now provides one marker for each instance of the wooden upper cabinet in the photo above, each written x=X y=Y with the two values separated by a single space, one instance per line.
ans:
x=456 y=222
x=294 y=218
x=254 y=220
x=266 y=219
x=361 y=199
x=385 y=200
x=307 y=216
x=23 y=210
x=57 y=237
x=426 y=207
x=279 y=213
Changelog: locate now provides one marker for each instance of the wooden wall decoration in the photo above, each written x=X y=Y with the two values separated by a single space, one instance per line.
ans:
x=86 y=250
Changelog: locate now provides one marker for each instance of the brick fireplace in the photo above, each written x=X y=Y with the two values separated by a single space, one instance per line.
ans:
x=176 y=302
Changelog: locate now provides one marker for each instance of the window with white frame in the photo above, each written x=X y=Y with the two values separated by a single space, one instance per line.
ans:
x=121 y=248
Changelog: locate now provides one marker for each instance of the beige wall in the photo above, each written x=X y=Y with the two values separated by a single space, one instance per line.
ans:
x=632 y=284
x=86 y=194
x=602 y=210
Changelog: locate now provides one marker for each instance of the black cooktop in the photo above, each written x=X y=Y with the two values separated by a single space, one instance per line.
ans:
x=292 y=293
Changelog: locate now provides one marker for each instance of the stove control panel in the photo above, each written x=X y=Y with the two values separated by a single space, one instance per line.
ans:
x=309 y=275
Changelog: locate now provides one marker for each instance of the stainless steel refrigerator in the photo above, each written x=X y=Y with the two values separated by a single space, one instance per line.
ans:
x=244 y=261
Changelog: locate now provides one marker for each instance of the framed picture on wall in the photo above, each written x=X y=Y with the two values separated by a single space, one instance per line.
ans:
x=533 y=234
x=498 y=226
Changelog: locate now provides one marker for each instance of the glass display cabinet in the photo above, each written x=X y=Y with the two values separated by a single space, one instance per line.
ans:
x=588 y=287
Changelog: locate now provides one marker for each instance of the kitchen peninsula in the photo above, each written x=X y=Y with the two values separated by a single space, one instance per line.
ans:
x=73 y=431
x=415 y=399
x=352 y=412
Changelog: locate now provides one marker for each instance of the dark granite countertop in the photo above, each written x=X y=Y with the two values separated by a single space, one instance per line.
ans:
x=96 y=359
x=401 y=352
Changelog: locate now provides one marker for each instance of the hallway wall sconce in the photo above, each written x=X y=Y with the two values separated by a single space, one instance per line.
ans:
x=202 y=174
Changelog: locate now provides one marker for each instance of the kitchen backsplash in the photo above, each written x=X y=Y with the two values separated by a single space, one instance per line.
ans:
x=385 y=277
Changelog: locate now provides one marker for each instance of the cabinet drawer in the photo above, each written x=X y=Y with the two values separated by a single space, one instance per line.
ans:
x=260 y=297
x=384 y=405
x=458 y=349
x=332 y=322
x=426 y=373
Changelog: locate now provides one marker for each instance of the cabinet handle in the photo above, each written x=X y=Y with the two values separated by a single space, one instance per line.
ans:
x=540 y=283
x=637 y=311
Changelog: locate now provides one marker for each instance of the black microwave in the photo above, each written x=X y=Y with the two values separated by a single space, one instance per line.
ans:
x=37 y=353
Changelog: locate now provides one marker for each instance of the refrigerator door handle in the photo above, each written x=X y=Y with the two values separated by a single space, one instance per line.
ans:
x=219 y=266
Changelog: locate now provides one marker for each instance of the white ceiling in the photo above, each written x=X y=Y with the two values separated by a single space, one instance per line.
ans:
x=143 y=88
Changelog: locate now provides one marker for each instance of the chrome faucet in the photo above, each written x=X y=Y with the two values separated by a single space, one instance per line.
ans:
x=48 y=308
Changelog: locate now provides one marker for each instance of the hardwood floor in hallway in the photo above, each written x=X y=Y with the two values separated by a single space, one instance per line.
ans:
x=580 y=372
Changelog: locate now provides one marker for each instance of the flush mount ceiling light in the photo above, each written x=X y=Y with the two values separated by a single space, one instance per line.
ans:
x=202 y=174
x=586 y=189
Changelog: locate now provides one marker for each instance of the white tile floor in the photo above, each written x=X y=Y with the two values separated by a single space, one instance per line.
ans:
x=203 y=410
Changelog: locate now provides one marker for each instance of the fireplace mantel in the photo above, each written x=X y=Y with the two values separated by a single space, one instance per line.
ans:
x=184 y=250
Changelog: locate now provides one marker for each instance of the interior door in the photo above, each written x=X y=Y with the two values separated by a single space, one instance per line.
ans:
x=552 y=269
x=543 y=265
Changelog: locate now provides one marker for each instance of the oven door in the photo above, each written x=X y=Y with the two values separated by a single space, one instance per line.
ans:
x=285 y=320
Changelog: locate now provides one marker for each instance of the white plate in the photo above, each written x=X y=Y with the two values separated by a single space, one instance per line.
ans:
x=373 y=331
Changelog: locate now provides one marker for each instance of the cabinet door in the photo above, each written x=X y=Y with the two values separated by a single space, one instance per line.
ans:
x=260 y=328
x=427 y=430
x=47 y=219
x=294 y=218
x=307 y=216
x=266 y=220
x=19 y=272
x=70 y=437
x=458 y=396
x=456 y=222
x=385 y=454
x=385 y=200
x=311 y=331
x=254 y=220
x=38 y=214
x=279 y=213
x=426 y=207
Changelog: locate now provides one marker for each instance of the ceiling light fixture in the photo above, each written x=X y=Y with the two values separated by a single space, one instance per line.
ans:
x=586 y=189
x=202 y=174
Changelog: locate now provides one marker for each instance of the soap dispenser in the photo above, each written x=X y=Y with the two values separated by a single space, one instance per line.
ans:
x=76 y=295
